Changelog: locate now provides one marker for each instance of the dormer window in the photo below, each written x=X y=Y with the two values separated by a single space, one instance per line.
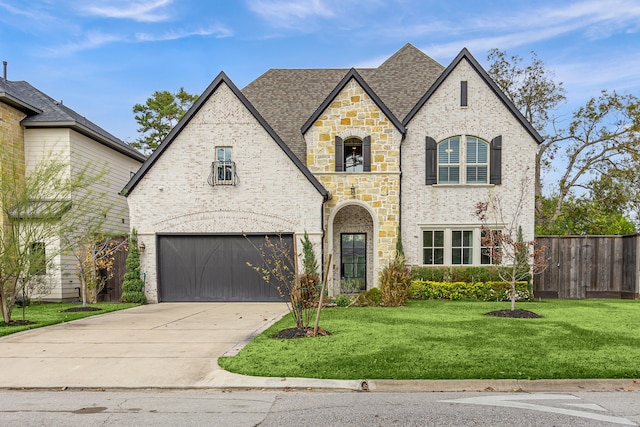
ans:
x=353 y=154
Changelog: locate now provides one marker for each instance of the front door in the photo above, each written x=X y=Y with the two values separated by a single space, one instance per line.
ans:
x=353 y=262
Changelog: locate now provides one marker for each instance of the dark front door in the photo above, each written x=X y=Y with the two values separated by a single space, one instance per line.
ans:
x=214 y=268
x=353 y=262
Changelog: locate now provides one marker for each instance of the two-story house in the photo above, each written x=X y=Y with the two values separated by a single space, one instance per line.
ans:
x=34 y=128
x=352 y=157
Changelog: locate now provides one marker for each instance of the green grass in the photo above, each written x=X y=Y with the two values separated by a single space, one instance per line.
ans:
x=456 y=340
x=45 y=314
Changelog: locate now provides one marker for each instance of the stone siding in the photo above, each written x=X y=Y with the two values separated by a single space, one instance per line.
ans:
x=352 y=113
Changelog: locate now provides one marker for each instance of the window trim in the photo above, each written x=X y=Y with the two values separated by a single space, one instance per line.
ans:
x=494 y=161
x=477 y=164
x=476 y=248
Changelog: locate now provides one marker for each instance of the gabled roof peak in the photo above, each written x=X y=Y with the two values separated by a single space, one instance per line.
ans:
x=466 y=55
x=195 y=108
x=352 y=74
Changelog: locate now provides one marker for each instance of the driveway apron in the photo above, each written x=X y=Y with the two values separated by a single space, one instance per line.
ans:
x=155 y=345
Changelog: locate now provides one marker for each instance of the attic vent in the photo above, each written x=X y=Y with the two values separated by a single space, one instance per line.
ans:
x=223 y=173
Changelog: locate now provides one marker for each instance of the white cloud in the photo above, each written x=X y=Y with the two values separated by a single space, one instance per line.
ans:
x=90 y=40
x=217 y=30
x=293 y=14
x=141 y=10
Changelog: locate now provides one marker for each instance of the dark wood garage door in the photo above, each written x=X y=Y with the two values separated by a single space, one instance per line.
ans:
x=213 y=268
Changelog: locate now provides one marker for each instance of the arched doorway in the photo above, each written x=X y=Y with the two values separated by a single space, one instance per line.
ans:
x=354 y=245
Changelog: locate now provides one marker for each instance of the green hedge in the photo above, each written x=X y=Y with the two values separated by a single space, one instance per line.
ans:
x=482 y=291
x=488 y=273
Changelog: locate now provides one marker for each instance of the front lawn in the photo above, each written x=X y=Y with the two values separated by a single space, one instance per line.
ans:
x=456 y=340
x=45 y=314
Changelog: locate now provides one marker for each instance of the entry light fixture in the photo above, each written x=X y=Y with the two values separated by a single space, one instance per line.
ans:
x=142 y=247
x=353 y=191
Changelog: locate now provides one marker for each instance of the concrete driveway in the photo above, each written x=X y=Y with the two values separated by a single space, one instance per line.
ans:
x=156 y=345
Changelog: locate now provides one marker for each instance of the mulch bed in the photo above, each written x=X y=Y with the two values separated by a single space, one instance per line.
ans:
x=300 y=333
x=21 y=322
x=517 y=314
x=74 y=309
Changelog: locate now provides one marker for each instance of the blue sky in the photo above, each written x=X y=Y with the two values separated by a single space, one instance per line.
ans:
x=102 y=57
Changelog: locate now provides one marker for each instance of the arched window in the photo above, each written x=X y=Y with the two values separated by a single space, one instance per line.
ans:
x=353 y=154
x=477 y=161
x=462 y=159
x=449 y=161
x=353 y=161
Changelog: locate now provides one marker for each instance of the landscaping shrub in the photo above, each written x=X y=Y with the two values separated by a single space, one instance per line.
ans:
x=395 y=280
x=342 y=300
x=371 y=298
x=133 y=285
x=471 y=274
x=482 y=291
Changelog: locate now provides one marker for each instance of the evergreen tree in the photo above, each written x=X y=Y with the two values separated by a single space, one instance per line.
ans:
x=133 y=285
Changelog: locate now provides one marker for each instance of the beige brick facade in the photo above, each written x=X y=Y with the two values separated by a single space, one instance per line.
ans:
x=453 y=206
x=272 y=195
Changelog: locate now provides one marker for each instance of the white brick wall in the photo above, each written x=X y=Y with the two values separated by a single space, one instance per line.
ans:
x=174 y=197
x=441 y=117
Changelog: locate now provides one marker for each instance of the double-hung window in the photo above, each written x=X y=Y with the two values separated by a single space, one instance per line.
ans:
x=477 y=161
x=449 y=161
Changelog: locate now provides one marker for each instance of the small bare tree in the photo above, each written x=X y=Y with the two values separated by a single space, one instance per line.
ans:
x=95 y=256
x=503 y=242
x=279 y=269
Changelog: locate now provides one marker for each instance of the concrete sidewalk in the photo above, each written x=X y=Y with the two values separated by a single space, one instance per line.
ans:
x=176 y=345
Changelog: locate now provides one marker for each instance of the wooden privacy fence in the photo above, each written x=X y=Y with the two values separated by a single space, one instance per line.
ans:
x=589 y=267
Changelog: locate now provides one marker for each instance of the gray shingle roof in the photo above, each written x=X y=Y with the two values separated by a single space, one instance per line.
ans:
x=286 y=98
x=44 y=111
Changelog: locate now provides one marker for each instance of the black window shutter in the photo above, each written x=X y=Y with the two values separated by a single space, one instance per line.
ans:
x=495 y=176
x=431 y=162
x=339 y=155
x=463 y=93
x=366 y=154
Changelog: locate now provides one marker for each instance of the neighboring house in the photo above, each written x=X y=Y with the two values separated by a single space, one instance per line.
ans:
x=350 y=156
x=34 y=127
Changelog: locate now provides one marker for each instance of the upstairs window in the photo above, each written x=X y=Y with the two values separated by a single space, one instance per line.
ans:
x=353 y=154
x=463 y=160
x=353 y=161
x=223 y=169
x=477 y=161
x=449 y=161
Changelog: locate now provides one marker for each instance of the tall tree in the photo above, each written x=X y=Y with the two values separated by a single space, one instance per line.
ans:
x=601 y=135
x=37 y=210
x=158 y=115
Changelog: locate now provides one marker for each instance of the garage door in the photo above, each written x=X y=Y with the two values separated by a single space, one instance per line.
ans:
x=214 y=268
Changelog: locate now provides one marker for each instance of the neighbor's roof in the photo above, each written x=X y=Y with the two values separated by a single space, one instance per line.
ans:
x=44 y=111
x=40 y=209
x=287 y=98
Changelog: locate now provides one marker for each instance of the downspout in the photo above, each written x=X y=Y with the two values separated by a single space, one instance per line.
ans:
x=404 y=134
x=325 y=199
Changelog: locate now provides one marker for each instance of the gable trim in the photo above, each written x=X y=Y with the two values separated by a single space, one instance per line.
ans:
x=465 y=54
x=195 y=108
x=352 y=74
